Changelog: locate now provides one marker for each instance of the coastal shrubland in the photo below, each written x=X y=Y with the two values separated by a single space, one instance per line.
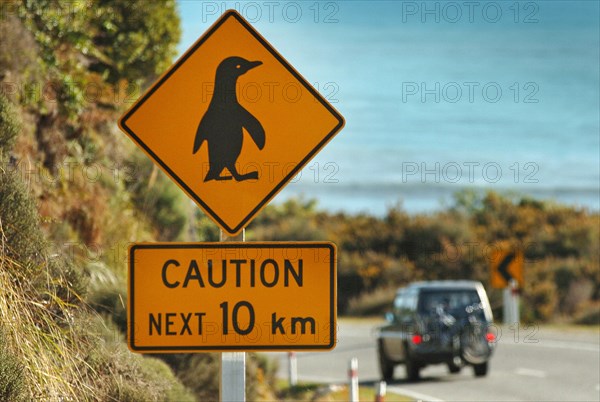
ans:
x=377 y=254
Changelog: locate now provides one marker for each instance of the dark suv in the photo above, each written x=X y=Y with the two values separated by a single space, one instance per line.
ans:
x=437 y=322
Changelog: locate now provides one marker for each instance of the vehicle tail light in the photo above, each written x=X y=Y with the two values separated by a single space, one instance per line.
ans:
x=417 y=339
x=490 y=337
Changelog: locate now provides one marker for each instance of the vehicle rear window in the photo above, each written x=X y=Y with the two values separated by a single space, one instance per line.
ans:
x=453 y=300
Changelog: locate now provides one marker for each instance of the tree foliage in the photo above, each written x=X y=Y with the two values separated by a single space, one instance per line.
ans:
x=560 y=244
x=137 y=40
x=121 y=41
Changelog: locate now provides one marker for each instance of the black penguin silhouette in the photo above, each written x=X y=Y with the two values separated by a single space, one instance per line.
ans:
x=222 y=124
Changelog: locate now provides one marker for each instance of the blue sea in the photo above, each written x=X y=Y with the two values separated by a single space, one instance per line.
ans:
x=440 y=96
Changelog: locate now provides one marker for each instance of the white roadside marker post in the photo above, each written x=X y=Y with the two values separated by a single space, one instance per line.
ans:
x=380 y=391
x=511 y=303
x=353 y=377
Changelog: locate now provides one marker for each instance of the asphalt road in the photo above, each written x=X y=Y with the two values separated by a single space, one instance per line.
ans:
x=530 y=364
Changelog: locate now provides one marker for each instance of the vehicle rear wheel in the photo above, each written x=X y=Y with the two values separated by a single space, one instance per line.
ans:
x=453 y=368
x=412 y=368
x=480 y=370
x=474 y=346
x=386 y=367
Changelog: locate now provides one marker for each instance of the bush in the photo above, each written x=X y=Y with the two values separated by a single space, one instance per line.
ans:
x=157 y=197
x=589 y=315
x=78 y=357
x=22 y=240
x=110 y=299
x=374 y=303
x=200 y=373
x=560 y=245
x=9 y=125
x=12 y=384
x=293 y=220
x=206 y=229
x=21 y=235
x=135 y=48
x=117 y=374
x=56 y=347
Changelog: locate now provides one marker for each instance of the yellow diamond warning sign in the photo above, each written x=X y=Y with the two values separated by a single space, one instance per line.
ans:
x=231 y=122
x=506 y=266
x=196 y=297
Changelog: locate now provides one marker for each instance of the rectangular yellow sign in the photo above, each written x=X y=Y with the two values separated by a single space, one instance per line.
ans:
x=198 y=297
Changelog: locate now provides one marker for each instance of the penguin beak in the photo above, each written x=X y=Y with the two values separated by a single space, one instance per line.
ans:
x=253 y=64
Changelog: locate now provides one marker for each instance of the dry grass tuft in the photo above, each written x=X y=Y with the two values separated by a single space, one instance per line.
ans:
x=50 y=355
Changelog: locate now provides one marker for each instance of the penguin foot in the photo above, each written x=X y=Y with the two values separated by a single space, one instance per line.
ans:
x=247 y=176
x=218 y=177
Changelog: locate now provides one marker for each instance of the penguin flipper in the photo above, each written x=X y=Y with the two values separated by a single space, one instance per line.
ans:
x=253 y=126
x=201 y=135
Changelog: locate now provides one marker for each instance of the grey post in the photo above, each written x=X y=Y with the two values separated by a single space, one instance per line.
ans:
x=232 y=380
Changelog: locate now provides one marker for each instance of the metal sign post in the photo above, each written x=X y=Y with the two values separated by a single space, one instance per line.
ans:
x=292 y=369
x=232 y=380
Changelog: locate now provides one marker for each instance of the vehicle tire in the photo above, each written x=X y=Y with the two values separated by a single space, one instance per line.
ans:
x=412 y=369
x=453 y=368
x=474 y=347
x=480 y=370
x=386 y=367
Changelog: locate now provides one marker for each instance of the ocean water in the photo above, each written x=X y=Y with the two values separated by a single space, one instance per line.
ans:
x=441 y=96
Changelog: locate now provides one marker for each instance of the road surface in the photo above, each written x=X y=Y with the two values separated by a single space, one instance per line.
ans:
x=530 y=364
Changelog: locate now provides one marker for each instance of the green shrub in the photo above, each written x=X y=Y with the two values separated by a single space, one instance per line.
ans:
x=206 y=229
x=157 y=197
x=20 y=59
x=589 y=315
x=12 y=382
x=110 y=299
x=293 y=220
x=119 y=375
x=200 y=373
x=9 y=125
x=22 y=240
x=560 y=245
x=138 y=48
x=374 y=303
x=19 y=220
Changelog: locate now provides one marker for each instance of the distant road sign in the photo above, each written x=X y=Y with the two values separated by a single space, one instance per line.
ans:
x=197 y=297
x=505 y=266
x=231 y=122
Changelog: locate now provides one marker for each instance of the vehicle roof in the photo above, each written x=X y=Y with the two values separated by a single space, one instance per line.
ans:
x=446 y=284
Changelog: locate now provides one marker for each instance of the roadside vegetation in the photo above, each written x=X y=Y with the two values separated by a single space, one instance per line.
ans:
x=75 y=192
x=379 y=254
